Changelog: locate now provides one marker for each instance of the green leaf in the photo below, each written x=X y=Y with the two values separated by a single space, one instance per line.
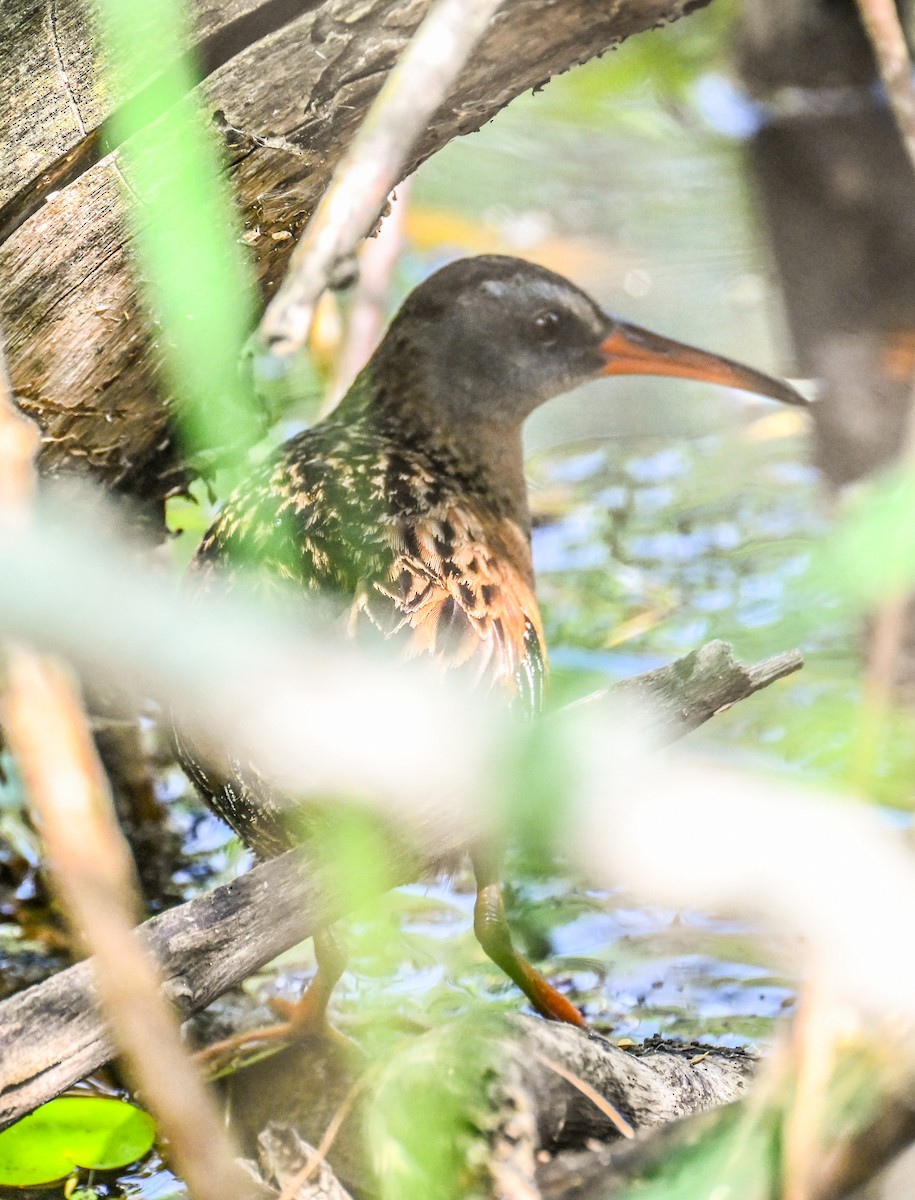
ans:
x=198 y=282
x=427 y=1121
x=730 y=1152
x=75 y=1131
x=871 y=554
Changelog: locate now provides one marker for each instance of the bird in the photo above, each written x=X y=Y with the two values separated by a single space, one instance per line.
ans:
x=406 y=509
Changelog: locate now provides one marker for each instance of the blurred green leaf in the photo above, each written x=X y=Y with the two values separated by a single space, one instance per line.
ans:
x=739 y=1155
x=75 y=1131
x=195 y=278
x=428 y=1110
x=543 y=770
x=870 y=555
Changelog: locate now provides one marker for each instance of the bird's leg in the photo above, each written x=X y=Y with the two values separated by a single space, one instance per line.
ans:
x=300 y=1019
x=307 y=1016
x=491 y=927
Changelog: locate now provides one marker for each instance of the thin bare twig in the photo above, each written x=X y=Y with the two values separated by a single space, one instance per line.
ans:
x=613 y=1115
x=320 y=1152
x=369 y=307
x=371 y=167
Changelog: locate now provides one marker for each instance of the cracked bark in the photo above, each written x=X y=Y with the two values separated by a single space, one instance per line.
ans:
x=82 y=354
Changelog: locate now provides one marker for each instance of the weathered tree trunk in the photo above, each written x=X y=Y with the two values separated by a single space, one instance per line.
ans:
x=82 y=353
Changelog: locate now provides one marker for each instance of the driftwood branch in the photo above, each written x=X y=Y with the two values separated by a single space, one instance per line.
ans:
x=649 y=1086
x=288 y=83
x=687 y=693
x=53 y=1034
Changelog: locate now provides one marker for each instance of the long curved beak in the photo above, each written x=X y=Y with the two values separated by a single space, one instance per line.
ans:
x=629 y=350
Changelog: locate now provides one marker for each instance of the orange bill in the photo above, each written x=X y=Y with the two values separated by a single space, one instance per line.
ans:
x=629 y=350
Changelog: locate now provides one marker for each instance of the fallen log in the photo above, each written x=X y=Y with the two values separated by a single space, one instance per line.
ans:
x=539 y=1098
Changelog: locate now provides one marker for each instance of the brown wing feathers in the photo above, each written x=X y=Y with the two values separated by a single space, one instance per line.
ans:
x=461 y=591
x=407 y=549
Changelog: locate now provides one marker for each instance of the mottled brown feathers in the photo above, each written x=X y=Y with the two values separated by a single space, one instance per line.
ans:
x=404 y=544
x=408 y=549
x=408 y=509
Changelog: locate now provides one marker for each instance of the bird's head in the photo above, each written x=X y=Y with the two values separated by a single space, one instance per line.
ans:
x=492 y=338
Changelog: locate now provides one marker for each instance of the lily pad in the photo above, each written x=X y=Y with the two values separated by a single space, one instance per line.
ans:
x=74 y=1131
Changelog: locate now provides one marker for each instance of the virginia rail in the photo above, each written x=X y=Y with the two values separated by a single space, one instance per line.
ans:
x=408 y=506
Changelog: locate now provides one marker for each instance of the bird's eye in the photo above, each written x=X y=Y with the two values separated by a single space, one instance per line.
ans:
x=546 y=326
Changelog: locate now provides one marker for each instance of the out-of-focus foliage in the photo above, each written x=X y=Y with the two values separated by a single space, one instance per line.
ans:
x=429 y=1112
x=692 y=526
x=197 y=282
x=741 y=1157
x=872 y=551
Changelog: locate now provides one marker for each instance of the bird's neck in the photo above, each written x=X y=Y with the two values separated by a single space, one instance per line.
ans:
x=488 y=458
x=484 y=458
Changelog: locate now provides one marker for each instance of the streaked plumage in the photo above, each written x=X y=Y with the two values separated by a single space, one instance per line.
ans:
x=410 y=543
x=408 y=507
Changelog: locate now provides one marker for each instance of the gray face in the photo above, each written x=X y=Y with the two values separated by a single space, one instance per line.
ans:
x=494 y=337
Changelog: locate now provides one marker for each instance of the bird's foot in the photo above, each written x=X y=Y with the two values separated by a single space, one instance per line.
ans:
x=300 y=1021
